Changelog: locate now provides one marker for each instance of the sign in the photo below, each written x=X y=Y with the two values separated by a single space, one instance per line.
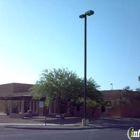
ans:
x=41 y=104
x=131 y=133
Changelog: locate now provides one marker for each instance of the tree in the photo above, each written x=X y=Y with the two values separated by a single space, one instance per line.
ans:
x=126 y=96
x=62 y=86
x=94 y=105
x=139 y=78
x=94 y=96
x=57 y=86
x=138 y=89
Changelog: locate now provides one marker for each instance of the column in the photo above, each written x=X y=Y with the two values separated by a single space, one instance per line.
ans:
x=33 y=106
x=50 y=109
x=19 y=107
x=68 y=110
x=30 y=107
x=54 y=107
x=37 y=107
x=11 y=107
x=22 y=108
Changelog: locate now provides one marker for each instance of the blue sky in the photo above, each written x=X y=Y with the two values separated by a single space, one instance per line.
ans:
x=45 y=34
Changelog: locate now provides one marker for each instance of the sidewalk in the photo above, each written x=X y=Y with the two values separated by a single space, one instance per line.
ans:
x=70 y=123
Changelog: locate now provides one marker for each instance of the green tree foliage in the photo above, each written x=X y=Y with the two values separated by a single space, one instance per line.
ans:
x=139 y=78
x=138 y=89
x=94 y=98
x=62 y=86
x=126 y=96
x=94 y=105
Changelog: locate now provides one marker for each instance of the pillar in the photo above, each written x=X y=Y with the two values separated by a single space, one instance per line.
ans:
x=37 y=107
x=50 y=109
x=30 y=107
x=33 y=107
x=68 y=110
x=11 y=107
x=19 y=106
x=22 y=108
x=54 y=107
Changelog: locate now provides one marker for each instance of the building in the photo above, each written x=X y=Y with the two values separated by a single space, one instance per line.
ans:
x=17 y=101
x=122 y=110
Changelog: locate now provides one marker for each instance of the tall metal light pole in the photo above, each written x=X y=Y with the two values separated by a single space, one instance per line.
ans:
x=112 y=86
x=88 y=13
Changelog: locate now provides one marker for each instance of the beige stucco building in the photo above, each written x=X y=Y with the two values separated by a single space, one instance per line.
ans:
x=17 y=101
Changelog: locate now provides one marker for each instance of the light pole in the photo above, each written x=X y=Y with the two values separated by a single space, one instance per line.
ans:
x=112 y=86
x=88 y=13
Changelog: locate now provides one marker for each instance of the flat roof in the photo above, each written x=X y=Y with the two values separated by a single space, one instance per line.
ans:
x=16 y=83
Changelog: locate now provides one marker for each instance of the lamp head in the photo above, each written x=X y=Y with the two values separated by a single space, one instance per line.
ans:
x=89 y=13
x=82 y=16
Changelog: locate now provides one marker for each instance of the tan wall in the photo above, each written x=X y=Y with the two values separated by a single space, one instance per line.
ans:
x=6 y=89
x=21 y=88
x=1 y=106
x=110 y=95
x=124 y=110
x=9 y=89
x=97 y=112
x=130 y=110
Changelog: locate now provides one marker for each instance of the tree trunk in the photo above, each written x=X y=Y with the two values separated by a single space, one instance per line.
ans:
x=93 y=111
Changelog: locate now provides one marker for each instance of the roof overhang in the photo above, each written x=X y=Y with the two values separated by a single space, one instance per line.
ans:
x=23 y=97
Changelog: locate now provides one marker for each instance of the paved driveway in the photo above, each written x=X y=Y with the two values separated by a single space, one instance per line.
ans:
x=70 y=120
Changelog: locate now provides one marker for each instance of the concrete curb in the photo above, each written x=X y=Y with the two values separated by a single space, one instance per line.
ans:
x=49 y=128
x=65 y=127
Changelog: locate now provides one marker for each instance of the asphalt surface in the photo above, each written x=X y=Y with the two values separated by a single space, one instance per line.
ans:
x=37 y=128
x=69 y=123
x=90 y=134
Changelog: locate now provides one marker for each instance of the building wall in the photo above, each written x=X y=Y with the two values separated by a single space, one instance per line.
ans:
x=11 y=88
x=21 y=88
x=6 y=89
x=130 y=110
x=97 y=112
x=2 y=108
x=109 y=95
x=121 y=110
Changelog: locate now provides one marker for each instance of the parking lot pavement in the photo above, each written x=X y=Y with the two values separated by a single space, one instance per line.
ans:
x=2 y=113
x=69 y=122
